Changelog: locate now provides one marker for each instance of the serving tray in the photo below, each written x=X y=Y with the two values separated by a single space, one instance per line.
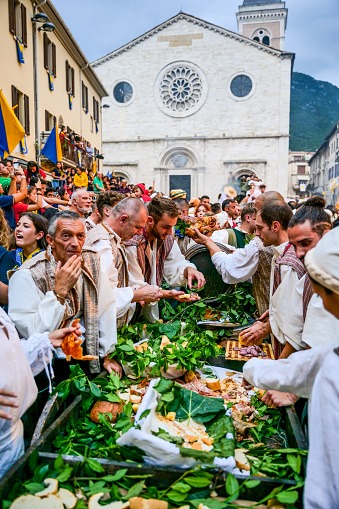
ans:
x=235 y=356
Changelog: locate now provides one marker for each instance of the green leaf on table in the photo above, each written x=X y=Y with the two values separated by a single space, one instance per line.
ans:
x=288 y=497
x=59 y=463
x=126 y=348
x=220 y=427
x=203 y=456
x=34 y=487
x=145 y=413
x=197 y=407
x=163 y=386
x=176 y=496
x=232 y=487
x=95 y=390
x=41 y=473
x=113 y=398
x=169 y=438
x=211 y=503
x=95 y=465
x=65 y=474
x=181 y=486
x=170 y=329
x=198 y=482
x=119 y=474
x=294 y=462
x=135 y=490
x=251 y=483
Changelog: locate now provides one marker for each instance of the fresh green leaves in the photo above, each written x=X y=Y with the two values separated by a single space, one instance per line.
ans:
x=169 y=438
x=197 y=407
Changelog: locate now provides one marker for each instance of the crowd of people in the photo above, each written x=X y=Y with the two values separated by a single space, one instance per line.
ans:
x=93 y=248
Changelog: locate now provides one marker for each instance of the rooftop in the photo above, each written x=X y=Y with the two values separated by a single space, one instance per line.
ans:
x=260 y=2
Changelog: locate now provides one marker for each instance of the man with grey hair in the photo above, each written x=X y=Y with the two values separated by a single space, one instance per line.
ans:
x=81 y=202
x=127 y=219
x=66 y=282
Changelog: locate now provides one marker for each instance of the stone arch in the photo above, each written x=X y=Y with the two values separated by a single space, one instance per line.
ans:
x=179 y=157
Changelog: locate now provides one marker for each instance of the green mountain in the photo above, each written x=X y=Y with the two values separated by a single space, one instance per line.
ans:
x=314 y=111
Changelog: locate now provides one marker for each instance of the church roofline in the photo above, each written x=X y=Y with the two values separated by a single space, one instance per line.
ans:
x=197 y=21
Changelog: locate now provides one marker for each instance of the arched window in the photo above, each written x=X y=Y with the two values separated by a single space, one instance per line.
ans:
x=256 y=39
x=266 y=40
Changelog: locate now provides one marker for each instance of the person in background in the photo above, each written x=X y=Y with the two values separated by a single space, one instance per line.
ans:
x=81 y=202
x=216 y=208
x=57 y=175
x=33 y=201
x=14 y=196
x=5 y=178
x=140 y=192
x=6 y=261
x=98 y=185
x=33 y=170
x=262 y=188
x=69 y=185
x=80 y=179
x=241 y=235
x=124 y=189
x=230 y=207
x=313 y=374
x=30 y=237
x=201 y=210
x=205 y=200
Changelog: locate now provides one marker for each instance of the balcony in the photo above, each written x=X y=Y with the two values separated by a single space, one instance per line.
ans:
x=72 y=153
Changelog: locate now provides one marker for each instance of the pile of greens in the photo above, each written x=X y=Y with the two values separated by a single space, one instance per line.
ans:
x=190 y=356
x=193 y=487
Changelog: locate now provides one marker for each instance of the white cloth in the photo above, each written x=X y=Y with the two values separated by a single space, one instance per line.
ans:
x=15 y=376
x=222 y=218
x=238 y=266
x=286 y=304
x=320 y=327
x=124 y=296
x=310 y=374
x=34 y=312
x=174 y=267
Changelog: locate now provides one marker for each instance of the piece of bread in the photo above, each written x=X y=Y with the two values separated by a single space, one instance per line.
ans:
x=241 y=460
x=26 y=502
x=51 y=489
x=67 y=498
x=105 y=407
x=151 y=503
x=213 y=384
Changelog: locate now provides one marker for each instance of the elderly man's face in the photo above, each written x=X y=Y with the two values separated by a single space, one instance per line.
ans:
x=68 y=240
x=83 y=202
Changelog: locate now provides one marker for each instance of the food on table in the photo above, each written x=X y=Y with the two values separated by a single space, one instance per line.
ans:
x=71 y=346
x=143 y=503
x=212 y=315
x=93 y=503
x=189 y=297
x=52 y=488
x=251 y=343
x=105 y=407
x=49 y=498
x=250 y=351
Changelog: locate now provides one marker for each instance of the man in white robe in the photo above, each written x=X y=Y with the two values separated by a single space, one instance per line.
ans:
x=313 y=374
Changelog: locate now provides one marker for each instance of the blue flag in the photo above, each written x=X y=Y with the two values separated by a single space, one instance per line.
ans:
x=11 y=131
x=70 y=101
x=20 y=49
x=52 y=148
x=23 y=145
x=50 y=81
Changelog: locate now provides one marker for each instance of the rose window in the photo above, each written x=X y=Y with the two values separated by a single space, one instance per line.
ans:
x=181 y=89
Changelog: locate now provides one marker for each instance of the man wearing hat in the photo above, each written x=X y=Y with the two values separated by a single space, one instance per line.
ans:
x=313 y=374
x=228 y=192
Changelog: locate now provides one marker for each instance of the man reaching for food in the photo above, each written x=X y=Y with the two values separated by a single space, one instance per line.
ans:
x=154 y=256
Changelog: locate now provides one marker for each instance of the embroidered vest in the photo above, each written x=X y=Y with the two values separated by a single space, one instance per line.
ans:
x=144 y=255
x=261 y=278
x=42 y=269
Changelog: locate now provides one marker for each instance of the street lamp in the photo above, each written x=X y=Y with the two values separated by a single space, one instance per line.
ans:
x=38 y=17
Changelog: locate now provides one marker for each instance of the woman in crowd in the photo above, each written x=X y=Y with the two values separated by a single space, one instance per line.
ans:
x=63 y=195
x=201 y=210
x=6 y=261
x=30 y=237
x=32 y=203
x=69 y=186
x=33 y=170
x=57 y=175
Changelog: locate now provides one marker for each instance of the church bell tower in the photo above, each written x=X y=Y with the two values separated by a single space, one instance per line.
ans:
x=263 y=21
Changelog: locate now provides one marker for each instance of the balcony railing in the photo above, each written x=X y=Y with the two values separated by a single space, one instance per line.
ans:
x=72 y=154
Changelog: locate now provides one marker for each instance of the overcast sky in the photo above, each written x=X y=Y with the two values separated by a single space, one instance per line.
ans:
x=102 y=26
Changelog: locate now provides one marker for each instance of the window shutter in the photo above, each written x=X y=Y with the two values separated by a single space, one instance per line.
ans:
x=67 y=76
x=54 y=59
x=26 y=110
x=11 y=15
x=45 y=51
x=15 y=100
x=46 y=120
x=94 y=108
x=73 y=87
x=82 y=95
x=86 y=98
x=24 y=25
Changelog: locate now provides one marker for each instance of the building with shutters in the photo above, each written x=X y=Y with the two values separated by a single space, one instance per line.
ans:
x=298 y=174
x=62 y=72
x=194 y=105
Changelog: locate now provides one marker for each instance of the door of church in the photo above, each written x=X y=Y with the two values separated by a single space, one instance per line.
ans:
x=181 y=182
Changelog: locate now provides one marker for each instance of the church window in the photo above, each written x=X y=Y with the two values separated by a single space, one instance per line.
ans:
x=180 y=89
x=123 y=92
x=256 y=39
x=266 y=40
x=241 y=85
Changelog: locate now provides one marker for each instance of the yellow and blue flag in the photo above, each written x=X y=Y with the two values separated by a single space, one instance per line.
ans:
x=23 y=145
x=52 y=149
x=94 y=167
x=20 y=49
x=11 y=131
x=79 y=157
x=50 y=81
x=70 y=101
x=96 y=126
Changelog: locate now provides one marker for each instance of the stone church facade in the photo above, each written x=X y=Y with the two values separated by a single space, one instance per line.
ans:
x=192 y=104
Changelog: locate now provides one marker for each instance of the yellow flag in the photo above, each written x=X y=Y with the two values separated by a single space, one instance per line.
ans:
x=11 y=131
x=94 y=167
